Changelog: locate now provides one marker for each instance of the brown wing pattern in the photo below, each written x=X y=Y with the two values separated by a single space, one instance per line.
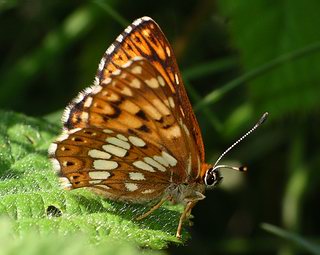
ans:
x=133 y=139
x=144 y=38
x=112 y=164
x=147 y=111
x=135 y=100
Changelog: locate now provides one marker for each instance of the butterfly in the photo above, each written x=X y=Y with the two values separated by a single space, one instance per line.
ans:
x=133 y=136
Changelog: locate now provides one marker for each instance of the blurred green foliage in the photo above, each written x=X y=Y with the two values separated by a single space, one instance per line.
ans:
x=51 y=244
x=238 y=59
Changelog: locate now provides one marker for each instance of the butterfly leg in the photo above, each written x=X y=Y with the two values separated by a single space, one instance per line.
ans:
x=184 y=215
x=155 y=207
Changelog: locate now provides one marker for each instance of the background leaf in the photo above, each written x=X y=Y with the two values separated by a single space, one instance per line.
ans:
x=296 y=239
x=270 y=30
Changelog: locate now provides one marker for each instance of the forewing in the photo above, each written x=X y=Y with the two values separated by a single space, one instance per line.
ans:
x=144 y=38
x=163 y=116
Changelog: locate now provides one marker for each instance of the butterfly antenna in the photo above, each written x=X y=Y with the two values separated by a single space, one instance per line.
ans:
x=242 y=168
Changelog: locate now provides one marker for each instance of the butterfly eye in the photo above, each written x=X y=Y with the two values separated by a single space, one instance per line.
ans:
x=212 y=177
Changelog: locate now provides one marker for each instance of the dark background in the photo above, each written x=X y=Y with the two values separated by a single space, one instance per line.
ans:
x=255 y=55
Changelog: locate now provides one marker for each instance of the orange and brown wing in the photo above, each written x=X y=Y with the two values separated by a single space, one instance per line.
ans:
x=143 y=38
x=120 y=166
x=136 y=100
x=130 y=144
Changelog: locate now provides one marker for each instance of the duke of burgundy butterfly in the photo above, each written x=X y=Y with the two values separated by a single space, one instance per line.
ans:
x=133 y=136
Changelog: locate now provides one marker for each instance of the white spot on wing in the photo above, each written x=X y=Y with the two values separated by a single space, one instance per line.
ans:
x=128 y=29
x=181 y=110
x=107 y=131
x=152 y=83
x=116 y=72
x=88 y=102
x=136 y=70
x=154 y=163
x=171 y=160
x=168 y=51
x=137 y=22
x=102 y=186
x=126 y=91
x=117 y=151
x=96 y=89
x=136 y=176
x=102 y=175
x=177 y=78
x=65 y=183
x=72 y=131
x=161 y=106
x=56 y=165
x=142 y=165
x=122 y=137
x=131 y=186
x=52 y=149
x=135 y=83
x=106 y=81
x=136 y=141
x=118 y=142
x=101 y=64
x=161 y=160
x=127 y=64
x=101 y=164
x=147 y=191
x=87 y=91
x=173 y=131
x=99 y=154
x=94 y=182
x=96 y=81
x=146 y=18
x=110 y=49
x=64 y=163
x=120 y=38
x=152 y=111
x=84 y=116
x=66 y=114
x=79 y=98
x=62 y=137
x=161 y=81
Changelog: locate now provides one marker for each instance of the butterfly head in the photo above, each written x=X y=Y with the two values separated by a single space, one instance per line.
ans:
x=212 y=177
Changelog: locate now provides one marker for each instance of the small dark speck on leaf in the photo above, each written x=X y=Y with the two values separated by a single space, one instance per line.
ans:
x=53 y=211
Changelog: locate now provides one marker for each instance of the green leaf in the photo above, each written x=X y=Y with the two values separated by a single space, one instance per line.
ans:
x=14 y=80
x=50 y=244
x=271 y=30
x=296 y=239
x=30 y=194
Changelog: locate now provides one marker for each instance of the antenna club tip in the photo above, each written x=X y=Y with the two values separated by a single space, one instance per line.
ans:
x=243 y=169
x=263 y=118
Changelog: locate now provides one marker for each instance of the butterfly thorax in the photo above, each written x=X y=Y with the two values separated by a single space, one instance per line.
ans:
x=185 y=192
x=190 y=188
